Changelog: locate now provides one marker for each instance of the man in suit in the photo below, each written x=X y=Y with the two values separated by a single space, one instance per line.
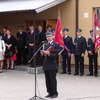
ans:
x=31 y=42
x=41 y=36
x=80 y=48
x=48 y=28
x=68 y=50
x=21 y=42
x=92 y=55
x=50 y=52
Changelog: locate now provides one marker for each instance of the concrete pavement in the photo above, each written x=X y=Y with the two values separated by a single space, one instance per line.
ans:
x=19 y=85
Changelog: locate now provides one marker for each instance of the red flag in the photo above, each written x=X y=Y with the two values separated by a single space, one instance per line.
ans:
x=96 y=22
x=58 y=36
x=96 y=31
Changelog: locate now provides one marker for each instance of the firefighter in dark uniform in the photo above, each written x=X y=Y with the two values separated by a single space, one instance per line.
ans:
x=92 y=55
x=50 y=51
x=66 y=54
x=80 y=48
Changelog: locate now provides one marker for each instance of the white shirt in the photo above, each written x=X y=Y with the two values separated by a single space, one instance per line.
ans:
x=65 y=36
x=21 y=33
x=32 y=31
x=50 y=42
x=79 y=36
x=2 y=46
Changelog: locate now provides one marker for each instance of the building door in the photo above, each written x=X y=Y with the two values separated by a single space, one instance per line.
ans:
x=52 y=22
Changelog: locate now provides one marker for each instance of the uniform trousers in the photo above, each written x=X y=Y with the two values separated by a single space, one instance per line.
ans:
x=66 y=63
x=51 y=82
x=93 y=62
x=79 y=64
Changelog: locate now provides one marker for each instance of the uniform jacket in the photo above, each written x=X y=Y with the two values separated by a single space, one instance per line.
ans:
x=80 y=45
x=69 y=45
x=91 y=46
x=50 y=62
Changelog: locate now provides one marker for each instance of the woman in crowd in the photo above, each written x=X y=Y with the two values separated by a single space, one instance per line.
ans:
x=10 y=49
x=2 y=52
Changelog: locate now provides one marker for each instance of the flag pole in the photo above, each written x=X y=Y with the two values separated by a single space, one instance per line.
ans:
x=59 y=13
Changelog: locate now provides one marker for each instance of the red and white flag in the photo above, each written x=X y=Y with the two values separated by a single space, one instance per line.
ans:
x=96 y=31
x=96 y=21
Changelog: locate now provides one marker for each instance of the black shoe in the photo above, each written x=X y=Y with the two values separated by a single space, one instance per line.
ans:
x=89 y=74
x=31 y=66
x=81 y=74
x=47 y=96
x=69 y=73
x=63 y=73
x=96 y=75
x=54 y=96
x=76 y=74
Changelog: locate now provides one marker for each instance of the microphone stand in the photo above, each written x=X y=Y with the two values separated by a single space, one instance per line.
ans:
x=34 y=62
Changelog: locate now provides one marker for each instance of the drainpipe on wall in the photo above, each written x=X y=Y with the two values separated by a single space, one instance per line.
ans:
x=77 y=14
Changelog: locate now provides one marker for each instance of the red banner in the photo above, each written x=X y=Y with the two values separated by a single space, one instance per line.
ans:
x=96 y=31
x=58 y=33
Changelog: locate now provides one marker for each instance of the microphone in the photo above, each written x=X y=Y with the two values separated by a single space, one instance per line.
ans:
x=43 y=42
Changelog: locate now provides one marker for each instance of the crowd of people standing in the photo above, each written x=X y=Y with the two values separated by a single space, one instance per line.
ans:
x=18 y=48
x=21 y=47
